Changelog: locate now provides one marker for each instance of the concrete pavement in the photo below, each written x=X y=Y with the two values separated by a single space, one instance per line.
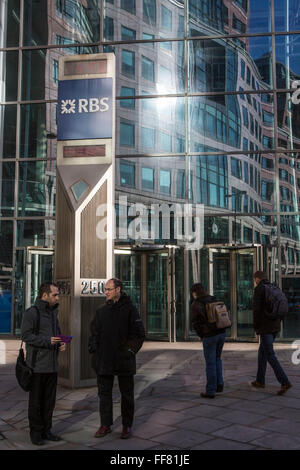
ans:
x=170 y=414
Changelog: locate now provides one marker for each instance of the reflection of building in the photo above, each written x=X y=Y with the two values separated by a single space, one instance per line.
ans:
x=198 y=122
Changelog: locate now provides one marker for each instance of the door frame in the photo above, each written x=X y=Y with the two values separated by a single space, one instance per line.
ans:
x=233 y=251
x=33 y=250
x=171 y=302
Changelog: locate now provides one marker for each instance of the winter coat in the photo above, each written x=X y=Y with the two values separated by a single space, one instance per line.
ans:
x=117 y=334
x=199 y=318
x=261 y=323
x=47 y=354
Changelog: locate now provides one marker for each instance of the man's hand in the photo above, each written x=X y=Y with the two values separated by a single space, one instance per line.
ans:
x=62 y=347
x=55 y=340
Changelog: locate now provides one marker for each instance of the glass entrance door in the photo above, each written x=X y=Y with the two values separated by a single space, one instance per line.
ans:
x=244 y=293
x=157 y=295
x=39 y=269
x=231 y=280
x=145 y=276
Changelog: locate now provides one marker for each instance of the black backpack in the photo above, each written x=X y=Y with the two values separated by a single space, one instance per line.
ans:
x=276 y=302
x=23 y=370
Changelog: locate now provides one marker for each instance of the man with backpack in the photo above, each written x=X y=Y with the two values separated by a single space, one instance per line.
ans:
x=40 y=330
x=269 y=306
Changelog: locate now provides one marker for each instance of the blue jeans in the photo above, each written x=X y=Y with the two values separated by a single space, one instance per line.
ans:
x=266 y=355
x=212 y=348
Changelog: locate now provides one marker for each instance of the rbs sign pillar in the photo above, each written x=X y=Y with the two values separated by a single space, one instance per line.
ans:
x=85 y=183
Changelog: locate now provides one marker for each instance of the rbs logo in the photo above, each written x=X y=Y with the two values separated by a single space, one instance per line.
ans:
x=85 y=109
x=82 y=105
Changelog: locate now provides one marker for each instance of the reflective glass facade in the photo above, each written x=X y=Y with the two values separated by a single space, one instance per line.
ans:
x=207 y=112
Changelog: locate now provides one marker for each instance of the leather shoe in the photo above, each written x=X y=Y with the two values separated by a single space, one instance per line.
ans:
x=206 y=395
x=220 y=388
x=36 y=439
x=284 y=388
x=48 y=436
x=126 y=433
x=102 y=431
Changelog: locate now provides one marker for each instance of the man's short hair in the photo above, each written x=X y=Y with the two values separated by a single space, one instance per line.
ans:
x=117 y=283
x=45 y=288
x=260 y=275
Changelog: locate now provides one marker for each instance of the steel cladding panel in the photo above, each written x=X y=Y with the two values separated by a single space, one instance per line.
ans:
x=93 y=249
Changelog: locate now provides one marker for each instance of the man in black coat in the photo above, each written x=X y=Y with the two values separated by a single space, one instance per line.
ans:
x=267 y=329
x=44 y=345
x=117 y=334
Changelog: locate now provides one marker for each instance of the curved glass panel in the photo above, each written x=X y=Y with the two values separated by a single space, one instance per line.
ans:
x=37 y=188
x=287 y=61
x=143 y=19
x=8 y=118
x=8 y=76
x=36 y=233
x=217 y=17
x=77 y=20
x=287 y=16
x=156 y=125
x=7 y=185
x=9 y=23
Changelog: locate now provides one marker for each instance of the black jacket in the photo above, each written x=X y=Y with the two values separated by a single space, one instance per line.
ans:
x=117 y=334
x=47 y=355
x=261 y=323
x=199 y=318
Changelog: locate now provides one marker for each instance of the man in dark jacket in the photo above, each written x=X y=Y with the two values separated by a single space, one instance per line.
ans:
x=267 y=329
x=117 y=334
x=42 y=348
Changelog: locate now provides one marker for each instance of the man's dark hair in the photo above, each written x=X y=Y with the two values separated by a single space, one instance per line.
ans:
x=45 y=288
x=117 y=283
x=260 y=275
x=199 y=290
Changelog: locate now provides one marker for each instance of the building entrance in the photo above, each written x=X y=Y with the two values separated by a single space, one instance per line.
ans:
x=156 y=283
x=39 y=269
x=149 y=279
x=231 y=280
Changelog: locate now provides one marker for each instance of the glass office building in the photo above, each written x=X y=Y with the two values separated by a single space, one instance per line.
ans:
x=207 y=113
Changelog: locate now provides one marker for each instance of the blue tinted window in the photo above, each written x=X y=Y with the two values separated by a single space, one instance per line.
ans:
x=127 y=174
x=149 y=11
x=126 y=91
x=127 y=134
x=147 y=69
x=128 y=63
x=166 y=18
x=108 y=29
x=128 y=5
x=243 y=69
x=148 y=137
x=127 y=34
x=148 y=178
x=165 y=142
x=165 y=181
x=246 y=172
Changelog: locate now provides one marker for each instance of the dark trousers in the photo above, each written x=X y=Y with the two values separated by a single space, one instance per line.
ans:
x=42 y=399
x=126 y=386
x=266 y=355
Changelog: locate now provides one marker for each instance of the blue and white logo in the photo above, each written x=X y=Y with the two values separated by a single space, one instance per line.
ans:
x=85 y=109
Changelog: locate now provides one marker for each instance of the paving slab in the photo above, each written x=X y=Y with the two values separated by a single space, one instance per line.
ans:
x=185 y=440
x=170 y=414
x=239 y=433
x=223 y=444
x=276 y=441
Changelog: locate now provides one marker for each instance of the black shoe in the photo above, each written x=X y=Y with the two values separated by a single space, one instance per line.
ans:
x=206 y=395
x=48 y=436
x=36 y=439
x=220 y=388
